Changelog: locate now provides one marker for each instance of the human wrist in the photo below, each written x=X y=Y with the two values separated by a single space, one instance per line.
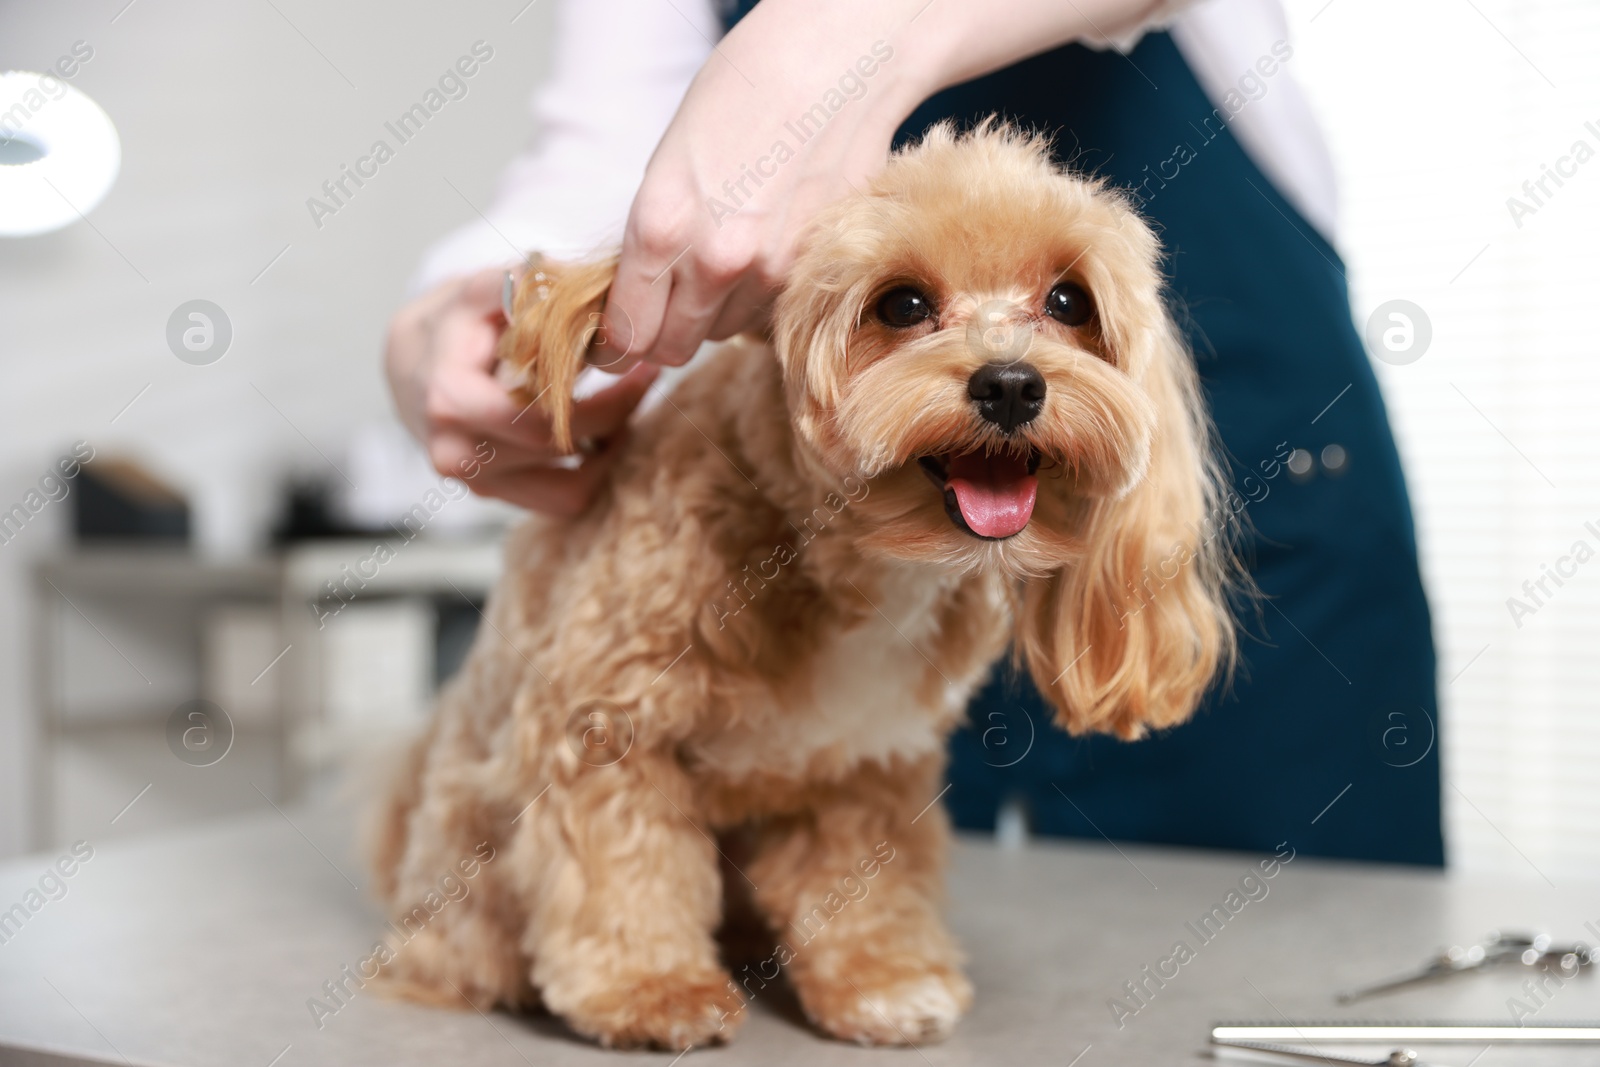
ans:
x=829 y=41
x=967 y=40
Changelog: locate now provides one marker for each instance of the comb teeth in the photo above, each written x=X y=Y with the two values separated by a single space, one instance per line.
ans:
x=1396 y=1058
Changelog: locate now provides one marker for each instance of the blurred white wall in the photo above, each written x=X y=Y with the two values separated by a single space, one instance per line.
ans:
x=1438 y=112
x=231 y=117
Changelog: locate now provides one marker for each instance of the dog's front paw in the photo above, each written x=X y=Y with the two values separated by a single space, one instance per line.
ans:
x=885 y=1002
x=667 y=1011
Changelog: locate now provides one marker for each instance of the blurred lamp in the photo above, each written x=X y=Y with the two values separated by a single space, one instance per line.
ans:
x=59 y=153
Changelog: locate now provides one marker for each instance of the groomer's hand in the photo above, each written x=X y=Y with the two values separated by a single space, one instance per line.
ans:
x=714 y=225
x=440 y=359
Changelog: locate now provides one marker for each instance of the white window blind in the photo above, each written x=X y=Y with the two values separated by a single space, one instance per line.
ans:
x=1437 y=112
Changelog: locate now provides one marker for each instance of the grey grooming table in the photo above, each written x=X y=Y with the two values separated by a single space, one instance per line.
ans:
x=202 y=947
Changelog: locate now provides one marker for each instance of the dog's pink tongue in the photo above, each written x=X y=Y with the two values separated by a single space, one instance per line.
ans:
x=994 y=492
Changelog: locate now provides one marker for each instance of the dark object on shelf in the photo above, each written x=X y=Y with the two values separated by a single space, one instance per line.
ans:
x=119 y=500
x=308 y=514
x=305 y=515
x=458 y=624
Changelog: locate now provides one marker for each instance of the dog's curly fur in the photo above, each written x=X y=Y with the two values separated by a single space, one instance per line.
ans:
x=735 y=674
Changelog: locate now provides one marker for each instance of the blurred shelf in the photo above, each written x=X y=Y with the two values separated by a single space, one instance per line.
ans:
x=140 y=721
x=158 y=571
x=415 y=567
x=167 y=596
x=423 y=566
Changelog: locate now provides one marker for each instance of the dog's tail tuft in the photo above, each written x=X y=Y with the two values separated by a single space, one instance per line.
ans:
x=555 y=322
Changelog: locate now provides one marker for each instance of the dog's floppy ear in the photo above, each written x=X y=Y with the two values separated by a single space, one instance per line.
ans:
x=1130 y=635
x=554 y=322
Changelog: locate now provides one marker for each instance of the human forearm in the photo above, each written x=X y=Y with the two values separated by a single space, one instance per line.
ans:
x=798 y=107
x=937 y=43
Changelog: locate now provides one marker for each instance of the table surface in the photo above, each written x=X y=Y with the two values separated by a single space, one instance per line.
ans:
x=203 y=947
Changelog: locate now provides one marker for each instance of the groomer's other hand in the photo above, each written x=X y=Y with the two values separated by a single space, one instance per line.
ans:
x=440 y=360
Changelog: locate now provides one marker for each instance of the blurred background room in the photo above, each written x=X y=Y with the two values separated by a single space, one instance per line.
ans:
x=225 y=568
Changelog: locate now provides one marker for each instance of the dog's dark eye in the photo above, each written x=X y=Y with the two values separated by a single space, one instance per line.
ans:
x=903 y=307
x=1069 y=305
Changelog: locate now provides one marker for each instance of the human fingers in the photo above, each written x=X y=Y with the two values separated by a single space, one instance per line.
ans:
x=467 y=402
x=602 y=414
x=746 y=308
x=637 y=301
x=565 y=491
x=699 y=290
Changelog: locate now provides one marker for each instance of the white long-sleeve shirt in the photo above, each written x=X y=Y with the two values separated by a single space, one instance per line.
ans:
x=622 y=67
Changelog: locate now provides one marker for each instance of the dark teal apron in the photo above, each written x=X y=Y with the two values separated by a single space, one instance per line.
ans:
x=1327 y=736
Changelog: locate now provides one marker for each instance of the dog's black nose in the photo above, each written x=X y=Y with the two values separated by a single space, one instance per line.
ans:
x=1007 y=394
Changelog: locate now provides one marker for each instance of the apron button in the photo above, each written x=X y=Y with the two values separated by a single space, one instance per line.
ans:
x=1334 y=459
x=1299 y=464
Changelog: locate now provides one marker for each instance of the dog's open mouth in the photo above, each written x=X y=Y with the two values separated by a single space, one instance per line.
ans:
x=988 y=494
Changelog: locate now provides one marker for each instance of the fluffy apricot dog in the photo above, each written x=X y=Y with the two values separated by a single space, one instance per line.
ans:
x=725 y=690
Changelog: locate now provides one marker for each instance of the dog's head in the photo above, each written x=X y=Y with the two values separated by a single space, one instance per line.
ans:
x=982 y=336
